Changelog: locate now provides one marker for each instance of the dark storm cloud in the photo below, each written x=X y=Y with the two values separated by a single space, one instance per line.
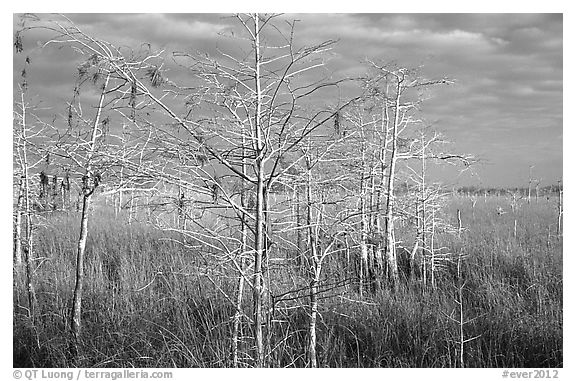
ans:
x=506 y=104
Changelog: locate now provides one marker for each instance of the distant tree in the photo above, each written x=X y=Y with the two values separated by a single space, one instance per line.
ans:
x=397 y=95
x=430 y=199
x=388 y=122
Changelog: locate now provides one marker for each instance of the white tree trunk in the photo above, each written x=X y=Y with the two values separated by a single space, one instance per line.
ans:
x=243 y=249
x=81 y=248
x=260 y=196
x=390 y=244
x=88 y=189
x=18 y=225
x=238 y=313
x=560 y=211
x=28 y=251
x=312 y=244
x=28 y=218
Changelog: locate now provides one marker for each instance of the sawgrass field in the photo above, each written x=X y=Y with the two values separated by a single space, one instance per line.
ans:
x=151 y=302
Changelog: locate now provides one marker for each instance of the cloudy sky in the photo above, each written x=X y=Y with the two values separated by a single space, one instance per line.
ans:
x=506 y=105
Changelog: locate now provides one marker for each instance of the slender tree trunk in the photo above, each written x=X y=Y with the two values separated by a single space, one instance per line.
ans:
x=364 y=279
x=243 y=250
x=131 y=211
x=67 y=196
x=379 y=247
x=299 y=232
x=423 y=240
x=88 y=189
x=432 y=252
x=17 y=258
x=118 y=209
x=317 y=255
x=560 y=211
x=239 y=297
x=238 y=313
x=81 y=248
x=390 y=244
x=422 y=216
x=530 y=185
x=30 y=279
x=314 y=260
x=18 y=224
x=312 y=244
x=63 y=196
x=364 y=275
x=260 y=196
x=54 y=193
x=374 y=230
x=29 y=246
x=268 y=302
x=258 y=276
x=29 y=249
x=313 y=317
x=459 y=219
x=460 y=303
x=416 y=243
x=377 y=252
x=29 y=228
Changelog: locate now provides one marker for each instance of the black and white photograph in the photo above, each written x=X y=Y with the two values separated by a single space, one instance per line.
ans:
x=286 y=190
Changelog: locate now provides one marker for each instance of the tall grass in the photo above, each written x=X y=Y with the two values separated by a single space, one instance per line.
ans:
x=146 y=305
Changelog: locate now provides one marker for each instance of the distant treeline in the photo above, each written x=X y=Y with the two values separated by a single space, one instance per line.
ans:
x=524 y=191
x=471 y=190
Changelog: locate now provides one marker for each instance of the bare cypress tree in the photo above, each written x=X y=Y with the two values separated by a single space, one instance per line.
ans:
x=26 y=204
x=359 y=161
x=364 y=217
x=390 y=246
x=18 y=222
x=243 y=251
x=20 y=152
x=242 y=91
x=382 y=150
x=324 y=229
x=400 y=93
x=271 y=133
x=90 y=182
x=26 y=147
x=316 y=268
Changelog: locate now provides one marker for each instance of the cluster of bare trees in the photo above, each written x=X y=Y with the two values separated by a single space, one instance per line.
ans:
x=268 y=166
